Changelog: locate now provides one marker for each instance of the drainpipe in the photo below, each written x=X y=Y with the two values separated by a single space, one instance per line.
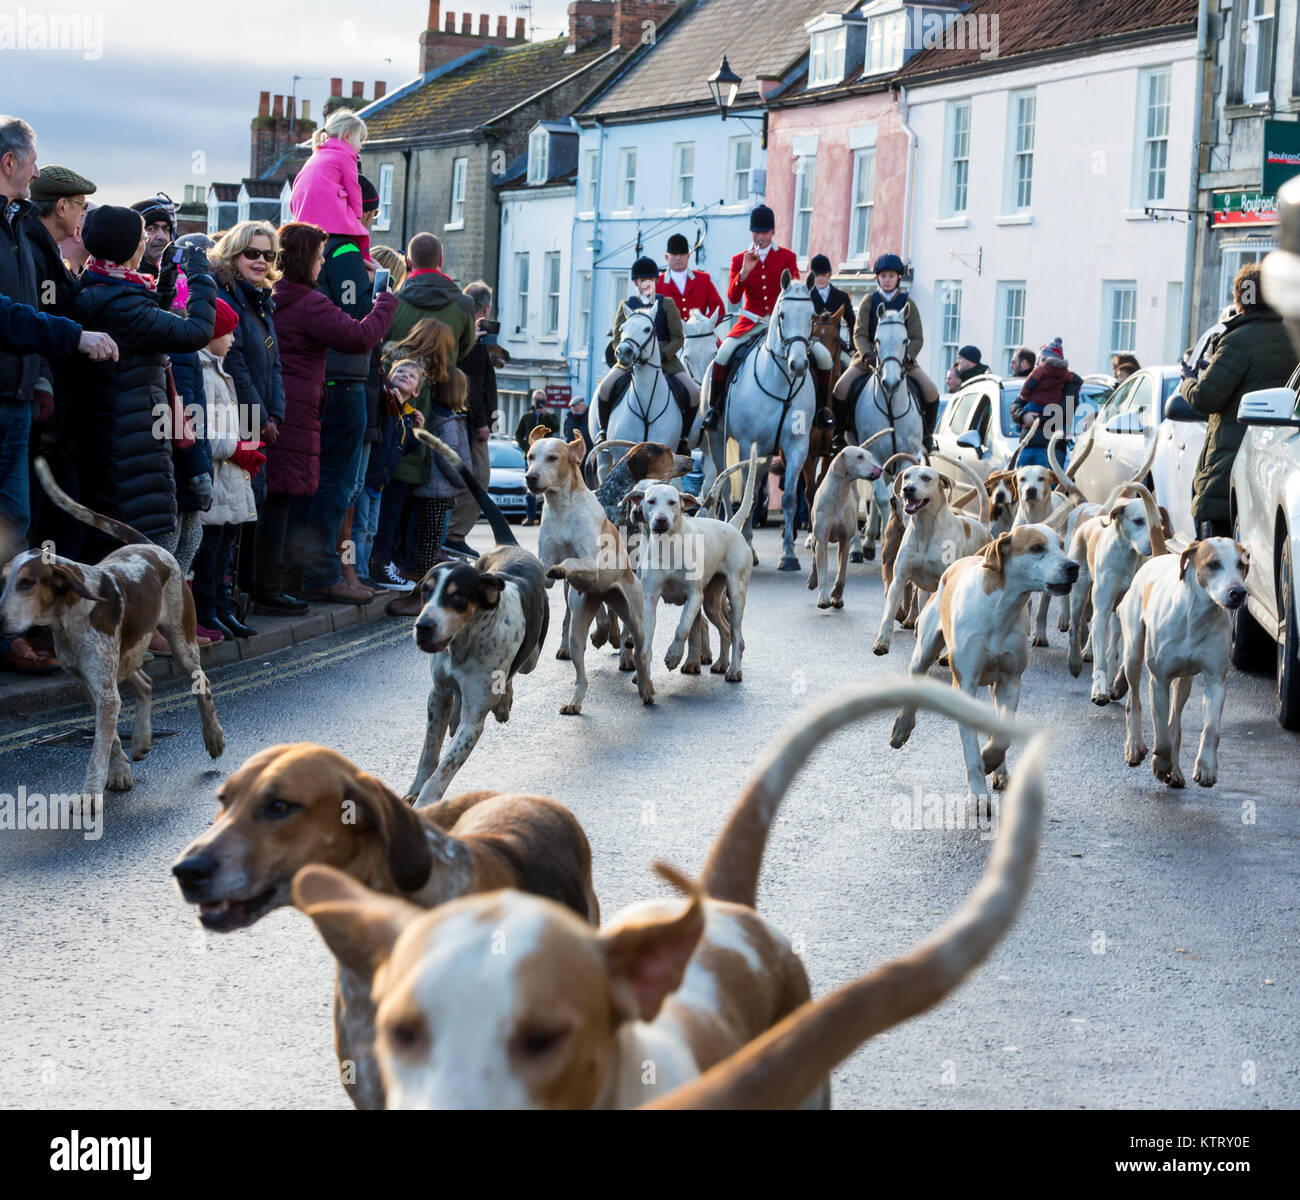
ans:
x=406 y=195
x=595 y=256
x=901 y=107
x=1194 y=186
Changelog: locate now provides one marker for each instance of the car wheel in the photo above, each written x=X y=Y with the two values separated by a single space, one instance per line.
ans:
x=1249 y=643
x=1288 y=669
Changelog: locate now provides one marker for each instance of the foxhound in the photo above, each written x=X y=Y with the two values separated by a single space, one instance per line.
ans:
x=289 y=806
x=1175 y=620
x=103 y=618
x=980 y=614
x=508 y=1001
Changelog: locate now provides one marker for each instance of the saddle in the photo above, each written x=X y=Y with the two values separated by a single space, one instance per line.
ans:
x=736 y=360
x=619 y=389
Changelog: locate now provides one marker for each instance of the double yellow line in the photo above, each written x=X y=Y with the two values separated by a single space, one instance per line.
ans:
x=268 y=673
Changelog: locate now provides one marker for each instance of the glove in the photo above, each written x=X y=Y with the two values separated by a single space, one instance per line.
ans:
x=1188 y=371
x=194 y=261
x=201 y=486
x=249 y=458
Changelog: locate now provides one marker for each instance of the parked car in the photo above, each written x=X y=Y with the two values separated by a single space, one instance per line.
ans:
x=1264 y=501
x=1147 y=402
x=506 y=483
x=968 y=430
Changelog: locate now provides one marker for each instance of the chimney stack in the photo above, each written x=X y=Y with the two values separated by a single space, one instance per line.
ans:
x=274 y=131
x=589 y=21
x=437 y=48
x=630 y=17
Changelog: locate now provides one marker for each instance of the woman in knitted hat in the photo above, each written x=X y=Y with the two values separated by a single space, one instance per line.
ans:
x=124 y=456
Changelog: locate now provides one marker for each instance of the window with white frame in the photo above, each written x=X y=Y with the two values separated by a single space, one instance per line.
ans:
x=947 y=294
x=627 y=177
x=537 y=146
x=958 y=158
x=591 y=176
x=740 y=166
x=1023 y=111
x=684 y=173
x=1259 y=17
x=1118 y=319
x=459 y=170
x=1235 y=256
x=826 y=56
x=1153 y=115
x=805 y=174
x=885 y=38
x=584 y=310
x=551 y=325
x=385 y=186
x=1011 y=323
x=864 y=181
x=521 y=292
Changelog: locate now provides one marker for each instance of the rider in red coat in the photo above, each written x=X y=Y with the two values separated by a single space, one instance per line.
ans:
x=755 y=283
x=688 y=289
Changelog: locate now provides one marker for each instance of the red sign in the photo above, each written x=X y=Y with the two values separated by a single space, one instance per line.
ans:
x=558 y=395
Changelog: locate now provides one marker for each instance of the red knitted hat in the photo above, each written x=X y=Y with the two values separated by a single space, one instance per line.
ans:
x=227 y=319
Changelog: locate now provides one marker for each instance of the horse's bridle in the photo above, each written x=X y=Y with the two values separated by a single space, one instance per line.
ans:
x=644 y=361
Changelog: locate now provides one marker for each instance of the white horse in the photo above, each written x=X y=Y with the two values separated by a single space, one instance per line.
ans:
x=772 y=398
x=647 y=411
x=885 y=398
x=701 y=344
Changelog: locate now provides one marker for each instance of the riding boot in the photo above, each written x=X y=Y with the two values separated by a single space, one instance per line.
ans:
x=603 y=406
x=823 y=418
x=929 y=418
x=717 y=397
x=842 y=408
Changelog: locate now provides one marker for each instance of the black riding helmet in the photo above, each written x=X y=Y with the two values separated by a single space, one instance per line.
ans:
x=645 y=268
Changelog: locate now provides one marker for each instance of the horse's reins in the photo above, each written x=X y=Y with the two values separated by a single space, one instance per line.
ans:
x=778 y=358
x=631 y=383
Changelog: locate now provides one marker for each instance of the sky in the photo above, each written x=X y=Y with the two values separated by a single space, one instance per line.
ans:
x=141 y=97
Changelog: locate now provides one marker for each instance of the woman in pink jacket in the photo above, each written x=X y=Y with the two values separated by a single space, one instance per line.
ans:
x=327 y=191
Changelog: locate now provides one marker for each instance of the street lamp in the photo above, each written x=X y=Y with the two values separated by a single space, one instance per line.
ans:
x=724 y=81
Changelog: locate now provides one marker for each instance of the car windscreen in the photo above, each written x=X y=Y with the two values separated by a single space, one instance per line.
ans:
x=503 y=454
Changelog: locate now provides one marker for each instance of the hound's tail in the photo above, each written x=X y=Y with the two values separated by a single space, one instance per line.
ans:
x=791 y=1061
x=741 y=514
x=496 y=518
x=114 y=529
x=986 y=505
x=1064 y=477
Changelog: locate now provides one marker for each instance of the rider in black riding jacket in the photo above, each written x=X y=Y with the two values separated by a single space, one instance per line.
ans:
x=888 y=270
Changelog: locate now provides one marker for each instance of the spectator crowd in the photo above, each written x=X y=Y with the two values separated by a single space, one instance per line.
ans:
x=246 y=401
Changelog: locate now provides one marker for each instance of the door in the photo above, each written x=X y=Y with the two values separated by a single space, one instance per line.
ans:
x=968 y=410
x=1096 y=467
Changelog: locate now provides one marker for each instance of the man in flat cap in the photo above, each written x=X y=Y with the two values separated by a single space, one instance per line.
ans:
x=60 y=196
x=159 y=213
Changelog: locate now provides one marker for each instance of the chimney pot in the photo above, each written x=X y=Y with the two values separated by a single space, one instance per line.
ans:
x=381 y=89
x=358 y=89
x=520 y=33
x=434 y=6
x=336 y=86
x=277 y=107
x=467 y=24
x=264 y=104
x=501 y=28
x=305 y=107
x=449 y=25
x=483 y=20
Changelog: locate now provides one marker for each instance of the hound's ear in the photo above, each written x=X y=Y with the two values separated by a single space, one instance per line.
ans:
x=366 y=801
x=358 y=925
x=944 y=481
x=898 y=484
x=785 y=280
x=1245 y=559
x=689 y=503
x=995 y=553
x=1186 y=557
x=840 y=466
x=1114 y=515
x=70 y=578
x=577 y=448
x=1166 y=522
x=633 y=498
x=539 y=432
x=490 y=589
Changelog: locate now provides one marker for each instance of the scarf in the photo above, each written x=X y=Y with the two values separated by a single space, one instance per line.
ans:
x=99 y=266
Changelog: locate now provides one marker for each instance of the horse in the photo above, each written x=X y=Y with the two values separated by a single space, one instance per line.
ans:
x=647 y=411
x=701 y=344
x=772 y=398
x=825 y=330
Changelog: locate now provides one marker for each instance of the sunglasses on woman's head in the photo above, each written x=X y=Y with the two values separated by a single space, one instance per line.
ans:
x=253 y=255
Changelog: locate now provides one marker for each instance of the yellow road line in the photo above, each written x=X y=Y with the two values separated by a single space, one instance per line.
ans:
x=22 y=738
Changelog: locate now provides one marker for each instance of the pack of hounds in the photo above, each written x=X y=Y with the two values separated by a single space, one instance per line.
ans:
x=412 y=893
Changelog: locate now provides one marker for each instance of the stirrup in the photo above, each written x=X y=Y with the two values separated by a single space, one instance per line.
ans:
x=711 y=418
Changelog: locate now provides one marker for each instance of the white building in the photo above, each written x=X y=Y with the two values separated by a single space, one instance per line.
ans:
x=1051 y=195
x=655 y=158
x=532 y=301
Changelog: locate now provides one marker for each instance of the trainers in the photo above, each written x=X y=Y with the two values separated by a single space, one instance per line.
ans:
x=392 y=579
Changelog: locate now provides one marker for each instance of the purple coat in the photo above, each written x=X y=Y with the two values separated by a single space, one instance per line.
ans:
x=307 y=323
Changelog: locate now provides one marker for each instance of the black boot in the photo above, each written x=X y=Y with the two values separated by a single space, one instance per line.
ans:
x=717 y=397
x=929 y=418
x=228 y=621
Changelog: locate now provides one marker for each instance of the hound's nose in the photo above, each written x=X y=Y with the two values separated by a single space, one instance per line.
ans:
x=874 y=473
x=1031 y=493
x=909 y=492
x=194 y=871
x=1236 y=596
x=1072 y=570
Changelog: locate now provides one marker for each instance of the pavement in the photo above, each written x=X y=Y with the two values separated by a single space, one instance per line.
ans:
x=1154 y=965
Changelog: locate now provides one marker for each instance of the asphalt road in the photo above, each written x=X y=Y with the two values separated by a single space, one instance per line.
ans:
x=1154 y=965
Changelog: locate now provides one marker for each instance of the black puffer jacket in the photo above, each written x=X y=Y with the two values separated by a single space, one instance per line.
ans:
x=124 y=469
x=18 y=372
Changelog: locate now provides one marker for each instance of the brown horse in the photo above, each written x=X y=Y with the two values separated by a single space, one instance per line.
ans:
x=826 y=330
